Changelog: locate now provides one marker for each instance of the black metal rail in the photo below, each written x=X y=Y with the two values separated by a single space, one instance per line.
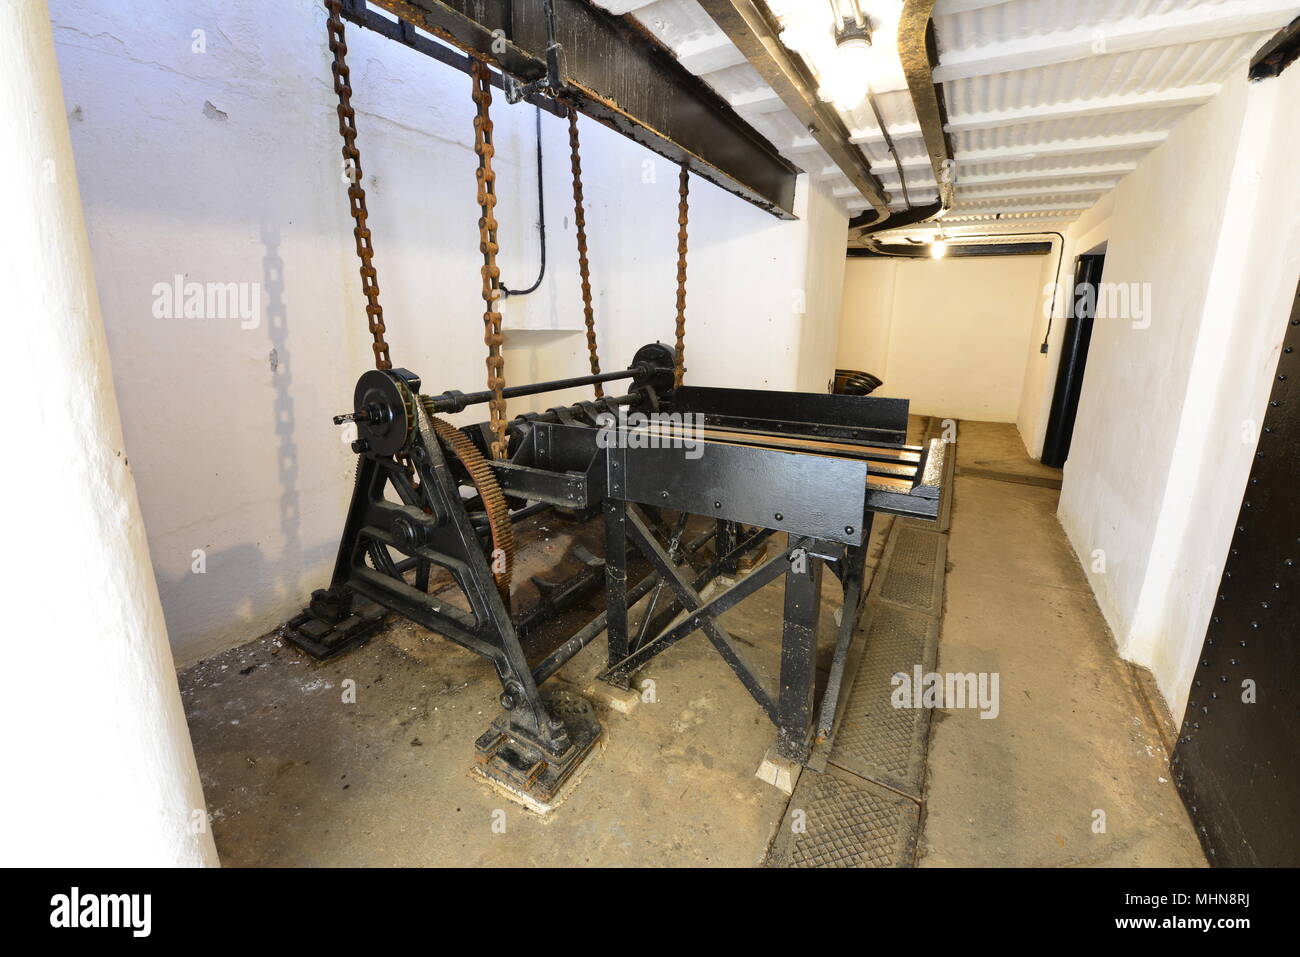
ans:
x=453 y=401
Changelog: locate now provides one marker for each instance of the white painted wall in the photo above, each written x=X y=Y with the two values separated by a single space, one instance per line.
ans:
x=99 y=771
x=224 y=166
x=949 y=335
x=1163 y=442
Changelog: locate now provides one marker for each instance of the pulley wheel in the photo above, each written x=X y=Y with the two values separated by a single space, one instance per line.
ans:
x=385 y=411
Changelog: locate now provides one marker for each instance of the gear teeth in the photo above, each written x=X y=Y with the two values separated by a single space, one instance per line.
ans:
x=485 y=483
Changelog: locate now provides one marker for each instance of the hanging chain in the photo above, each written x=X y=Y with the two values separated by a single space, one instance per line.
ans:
x=494 y=502
x=683 y=208
x=580 y=220
x=487 y=233
x=356 y=192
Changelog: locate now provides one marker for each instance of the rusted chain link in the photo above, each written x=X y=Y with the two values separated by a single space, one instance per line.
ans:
x=457 y=443
x=487 y=235
x=356 y=192
x=580 y=221
x=683 y=208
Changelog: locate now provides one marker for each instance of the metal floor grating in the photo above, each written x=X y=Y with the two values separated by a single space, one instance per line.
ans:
x=915 y=563
x=864 y=809
x=876 y=740
x=846 y=823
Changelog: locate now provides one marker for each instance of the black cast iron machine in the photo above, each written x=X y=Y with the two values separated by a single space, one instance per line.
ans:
x=671 y=469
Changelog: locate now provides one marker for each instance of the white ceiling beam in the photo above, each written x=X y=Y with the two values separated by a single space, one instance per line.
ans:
x=888 y=167
x=1098 y=106
x=913 y=183
x=762 y=100
x=1063 y=172
x=1031 y=151
x=946 y=8
x=1090 y=144
x=709 y=53
x=620 y=7
x=984 y=222
x=1046 y=189
x=1205 y=21
x=1072 y=109
x=900 y=132
x=1106 y=170
x=801 y=144
x=960 y=210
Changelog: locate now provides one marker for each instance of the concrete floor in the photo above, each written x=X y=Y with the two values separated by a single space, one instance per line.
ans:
x=995 y=450
x=294 y=775
x=1072 y=736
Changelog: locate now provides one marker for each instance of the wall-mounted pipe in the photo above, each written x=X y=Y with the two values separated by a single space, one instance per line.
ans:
x=863 y=224
x=919 y=53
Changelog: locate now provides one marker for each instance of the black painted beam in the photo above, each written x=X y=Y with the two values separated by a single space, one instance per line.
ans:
x=955 y=251
x=1278 y=53
x=616 y=73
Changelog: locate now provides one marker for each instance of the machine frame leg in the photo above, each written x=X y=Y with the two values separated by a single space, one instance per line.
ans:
x=616 y=588
x=798 y=655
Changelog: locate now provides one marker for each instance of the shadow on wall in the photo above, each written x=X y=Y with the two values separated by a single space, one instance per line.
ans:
x=277 y=324
x=247 y=569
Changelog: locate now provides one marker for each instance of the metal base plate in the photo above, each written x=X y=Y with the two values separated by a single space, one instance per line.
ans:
x=324 y=640
x=523 y=767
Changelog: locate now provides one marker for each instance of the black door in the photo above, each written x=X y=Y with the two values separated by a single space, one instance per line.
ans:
x=1237 y=762
x=1074 y=355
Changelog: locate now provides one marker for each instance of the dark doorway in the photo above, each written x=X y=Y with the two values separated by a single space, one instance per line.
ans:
x=1237 y=762
x=1074 y=355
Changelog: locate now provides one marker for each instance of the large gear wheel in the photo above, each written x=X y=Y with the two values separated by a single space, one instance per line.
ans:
x=484 y=479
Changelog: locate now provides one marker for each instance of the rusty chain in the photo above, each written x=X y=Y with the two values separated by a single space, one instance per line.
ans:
x=487 y=234
x=481 y=475
x=580 y=221
x=356 y=192
x=683 y=208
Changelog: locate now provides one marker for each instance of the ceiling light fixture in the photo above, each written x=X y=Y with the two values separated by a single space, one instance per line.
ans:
x=844 y=83
x=938 y=245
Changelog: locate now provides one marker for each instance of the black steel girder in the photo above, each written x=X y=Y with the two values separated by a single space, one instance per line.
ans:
x=616 y=73
x=955 y=251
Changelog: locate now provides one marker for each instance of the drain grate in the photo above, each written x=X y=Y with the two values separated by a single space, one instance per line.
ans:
x=876 y=740
x=914 y=569
x=846 y=823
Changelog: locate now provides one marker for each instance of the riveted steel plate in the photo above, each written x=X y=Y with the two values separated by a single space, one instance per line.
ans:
x=1235 y=762
x=813 y=495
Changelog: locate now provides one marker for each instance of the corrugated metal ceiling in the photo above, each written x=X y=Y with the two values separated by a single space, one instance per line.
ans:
x=1049 y=103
